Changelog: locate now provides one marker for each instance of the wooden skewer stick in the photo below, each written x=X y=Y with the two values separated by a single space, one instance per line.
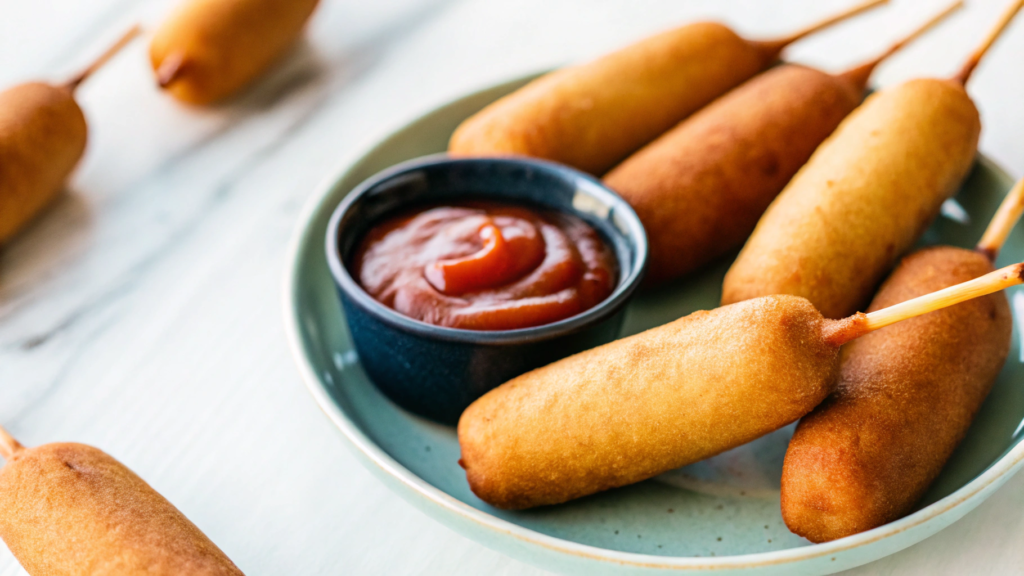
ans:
x=1002 y=223
x=839 y=332
x=9 y=447
x=104 y=58
x=972 y=61
x=859 y=75
x=781 y=43
x=170 y=69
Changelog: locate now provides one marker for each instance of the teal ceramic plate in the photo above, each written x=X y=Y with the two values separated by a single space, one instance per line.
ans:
x=720 y=515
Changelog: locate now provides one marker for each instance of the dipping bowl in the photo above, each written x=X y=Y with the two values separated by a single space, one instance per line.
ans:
x=437 y=371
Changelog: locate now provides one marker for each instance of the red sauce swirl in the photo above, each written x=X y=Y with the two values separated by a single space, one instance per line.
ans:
x=486 y=266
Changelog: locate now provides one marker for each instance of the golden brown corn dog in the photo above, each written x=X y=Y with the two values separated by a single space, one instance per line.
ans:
x=668 y=397
x=865 y=195
x=593 y=115
x=634 y=408
x=905 y=398
x=72 y=510
x=700 y=188
x=210 y=49
x=42 y=138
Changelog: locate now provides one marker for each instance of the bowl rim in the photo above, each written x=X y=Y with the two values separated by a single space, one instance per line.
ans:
x=620 y=296
x=424 y=495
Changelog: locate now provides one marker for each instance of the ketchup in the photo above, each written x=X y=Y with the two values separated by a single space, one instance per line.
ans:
x=486 y=266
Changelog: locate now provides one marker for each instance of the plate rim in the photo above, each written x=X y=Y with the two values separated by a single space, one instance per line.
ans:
x=997 y=473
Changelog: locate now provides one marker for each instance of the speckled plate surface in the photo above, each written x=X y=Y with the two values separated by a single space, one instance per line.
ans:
x=720 y=515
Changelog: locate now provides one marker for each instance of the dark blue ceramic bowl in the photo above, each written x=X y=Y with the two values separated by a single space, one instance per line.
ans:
x=436 y=371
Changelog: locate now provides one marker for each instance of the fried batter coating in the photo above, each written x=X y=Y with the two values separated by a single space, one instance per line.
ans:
x=701 y=188
x=593 y=115
x=72 y=510
x=640 y=406
x=906 y=396
x=862 y=200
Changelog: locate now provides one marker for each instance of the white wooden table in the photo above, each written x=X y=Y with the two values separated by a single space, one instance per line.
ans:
x=143 y=314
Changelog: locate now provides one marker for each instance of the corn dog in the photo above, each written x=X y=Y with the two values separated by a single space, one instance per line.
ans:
x=208 y=50
x=72 y=510
x=593 y=115
x=905 y=398
x=637 y=407
x=42 y=138
x=865 y=195
x=701 y=187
